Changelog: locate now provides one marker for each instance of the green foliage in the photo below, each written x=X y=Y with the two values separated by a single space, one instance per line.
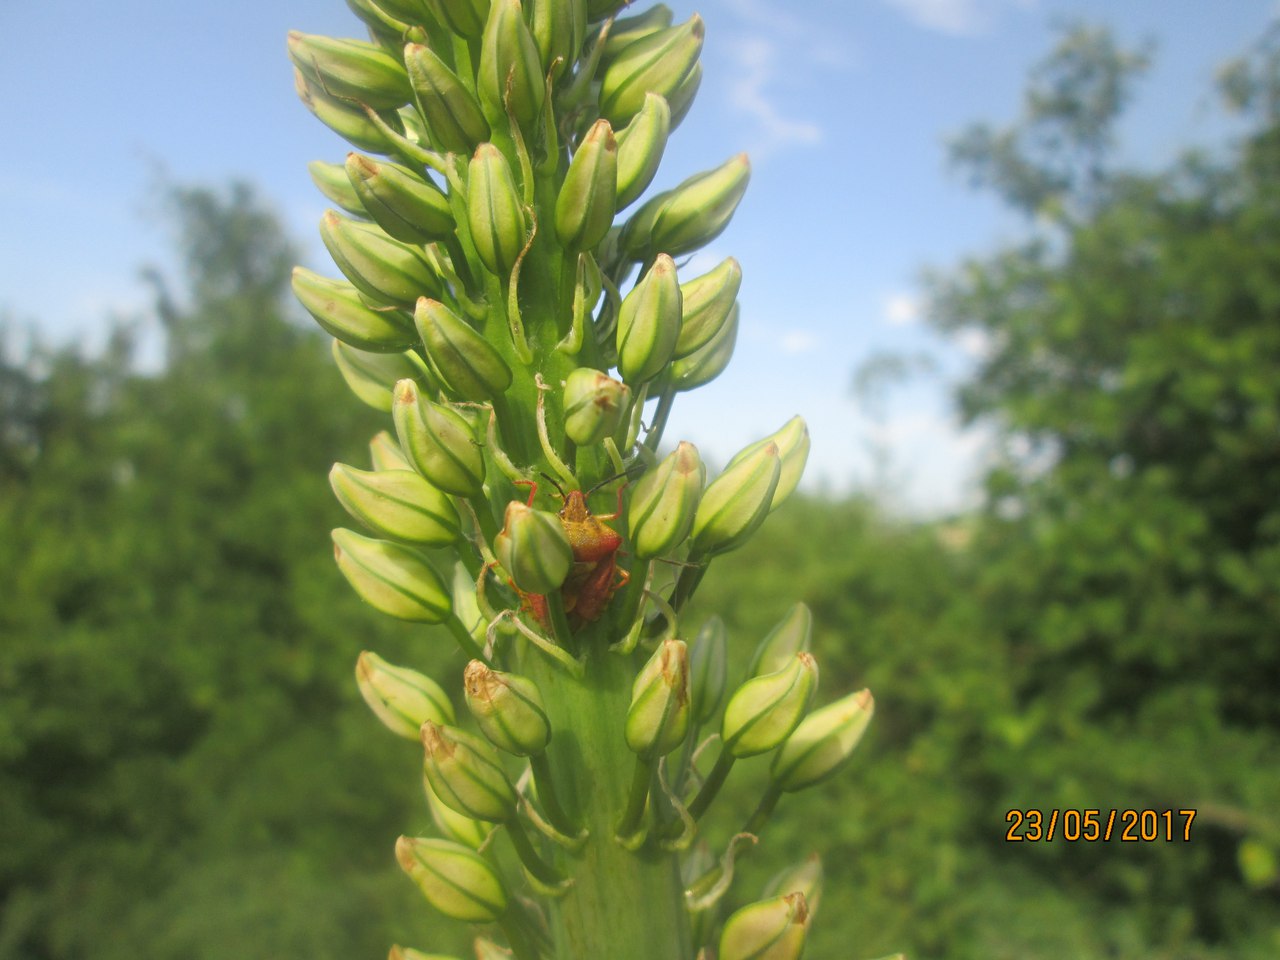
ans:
x=176 y=705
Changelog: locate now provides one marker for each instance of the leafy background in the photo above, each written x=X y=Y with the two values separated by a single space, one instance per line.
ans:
x=185 y=768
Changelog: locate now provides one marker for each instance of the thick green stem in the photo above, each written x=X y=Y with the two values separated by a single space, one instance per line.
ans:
x=623 y=905
x=715 y=780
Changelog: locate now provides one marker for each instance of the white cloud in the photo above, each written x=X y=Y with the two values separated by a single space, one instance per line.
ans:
x=902 y=310
x=797 y=341
x=756 y=58
x=957 y=17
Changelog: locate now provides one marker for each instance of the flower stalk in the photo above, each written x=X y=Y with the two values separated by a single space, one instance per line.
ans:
x=520 y=323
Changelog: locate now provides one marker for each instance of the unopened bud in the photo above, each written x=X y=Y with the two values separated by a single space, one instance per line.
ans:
x=466 y=774
x=681 y=98
x=401 y=698
x=346 y=120
x=494 y=210
x=372 y=375
x=385 y=271
x=468 y=365
x=641 y=144
x=437 y=441
x=709 y=360
x=558 y=28
x=384 y=453
x=707 y=302
x=398 y=504
x=822 y=743
x=659 y=714
x=769 y=930
x=455 y=122
x=533 y=548
x=627 y=30
x=350 y=69
x=765 y=710
x=691 y=215
x=599 y=9
x=654 y=63
x=792 y=439
x=649 y=322
x=332 y=180
x=805 y=877
x=665 y=501
x=406 y=953
x=455 y=879
x=588 y=196
x=406 y=206
x=708 y=670
x=452 y=824
x=594 y=405
x=464 y=17
x=341 y=313
x=510 y=73
x=508 y=709
x=736 y=503
x=392 y=578
x=789 y=636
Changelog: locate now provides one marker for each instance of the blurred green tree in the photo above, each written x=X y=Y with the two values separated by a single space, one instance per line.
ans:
x=1130 y=552
x=183 y=756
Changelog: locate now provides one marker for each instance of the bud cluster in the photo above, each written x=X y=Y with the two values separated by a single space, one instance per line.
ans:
x=505 y=291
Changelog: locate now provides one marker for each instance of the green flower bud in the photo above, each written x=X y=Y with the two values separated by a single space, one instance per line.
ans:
x=384 y=270
x=649 y=322
x=406 y=206
x=709 y=360
x=494 y=210
x=654 y=63
x=708 y=670
x=350 y=69
x=331 y=180
x=641 y=144
x=533 y=548
x=822 y=743
x=765 y=710
x=690 y=216
x=347 y=121
x=805 y=877
x=467 y=363
x=659 y=714
x=627 y=30
x=510 y=71
x=585 y=206
x=337 y=307
x=789 y=636
x=371 y=375
x=466 y=774
x=508 y=709
x=599 y=9
x=398 y=504
x=455 y=122
x=437 y=441
x=707 y=302
x=405 y=953
x=456 y=880
x=558 y=28
x=594 y=405
x=769 y=930
x=792 y=439
x=465 y=17
x=392 y=578
x=385 y=18
x=680 y=100
x=736 y=503
x=401 y=698
x=664 y=502
x=452 y=824
x=384 y=453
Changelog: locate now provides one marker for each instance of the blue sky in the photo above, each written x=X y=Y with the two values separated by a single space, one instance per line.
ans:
x=844 y=108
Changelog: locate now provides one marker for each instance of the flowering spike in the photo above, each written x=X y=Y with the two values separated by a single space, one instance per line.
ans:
x=455 y=879
x=468 y=365
x=466 y=774
x=769 y=930
x=791 y=635
x=665 y=501
x=659 y=713
x=391 y=578
x=649 y=322
x=398 y=504
x=454 y=120
x=437 y=441
x=641 y=144
x=494 y=210
x=594 y=405
x=508 y=709
x=822 y=743
x=654 y=63
x=588 y=197
x=792 y=439
x=510 y=72
x=765 y=710
x=337 y=307
x=406 y=206
x=401 y=698
x=736 y=503
x=533 y=548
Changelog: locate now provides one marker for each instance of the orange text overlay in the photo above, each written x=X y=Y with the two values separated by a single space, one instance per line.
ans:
x=1094 y=826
